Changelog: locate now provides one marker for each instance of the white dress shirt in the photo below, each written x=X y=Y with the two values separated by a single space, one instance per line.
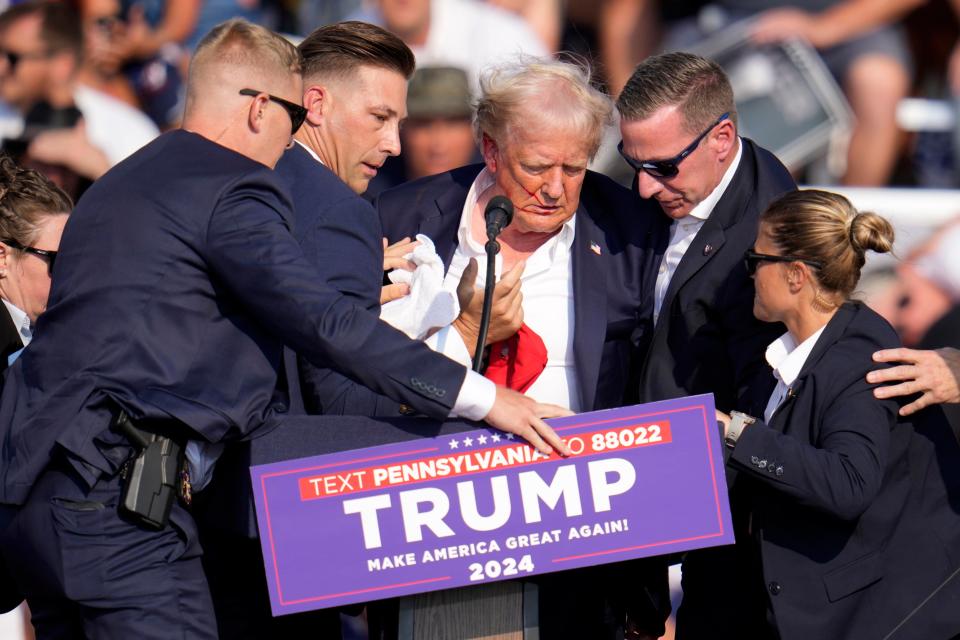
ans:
x=547 y=286
x=22 y=323
x=787 y=358
x=683 y=232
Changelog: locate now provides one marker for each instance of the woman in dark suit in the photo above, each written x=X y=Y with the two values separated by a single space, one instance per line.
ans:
x=33 y=212
x=846 y=516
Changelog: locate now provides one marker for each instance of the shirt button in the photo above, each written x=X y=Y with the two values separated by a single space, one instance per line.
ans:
x=663 y=268
x=774 y=588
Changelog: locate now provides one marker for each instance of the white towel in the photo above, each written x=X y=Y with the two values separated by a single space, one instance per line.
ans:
x=428 y=306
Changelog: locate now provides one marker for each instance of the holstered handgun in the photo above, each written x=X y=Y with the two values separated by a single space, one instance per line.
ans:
x=150 y=478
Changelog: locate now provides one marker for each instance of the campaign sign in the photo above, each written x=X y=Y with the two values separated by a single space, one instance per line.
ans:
x=479 y=506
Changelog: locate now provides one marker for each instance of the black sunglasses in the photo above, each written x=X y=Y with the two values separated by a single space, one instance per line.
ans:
x=297 y=112
x=13 y=58
x=47 y=254
x=670 y=167
x=752 y=259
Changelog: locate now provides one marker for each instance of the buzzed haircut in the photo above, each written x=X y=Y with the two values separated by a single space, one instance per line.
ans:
x=697 y=85
x=238 y=43
x=60 y=27
x=337 y=50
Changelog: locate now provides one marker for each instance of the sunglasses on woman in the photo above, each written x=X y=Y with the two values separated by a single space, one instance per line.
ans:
x=45 y=254
x=670 y=167
x=752 y=259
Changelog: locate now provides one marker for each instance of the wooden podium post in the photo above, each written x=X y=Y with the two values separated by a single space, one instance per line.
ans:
x=498 y=611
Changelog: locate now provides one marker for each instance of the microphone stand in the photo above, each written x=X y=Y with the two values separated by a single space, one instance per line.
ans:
x=493 y=248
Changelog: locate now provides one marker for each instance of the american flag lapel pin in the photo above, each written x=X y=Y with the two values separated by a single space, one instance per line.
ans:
x=595 y=248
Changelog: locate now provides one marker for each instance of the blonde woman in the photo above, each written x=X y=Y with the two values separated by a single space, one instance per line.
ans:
x=841 y=508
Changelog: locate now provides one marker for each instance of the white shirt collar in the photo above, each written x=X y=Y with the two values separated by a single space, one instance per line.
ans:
x=787 y=358
x=20 y=321
x=311 y=152
x=703 y=210
x=481 y=183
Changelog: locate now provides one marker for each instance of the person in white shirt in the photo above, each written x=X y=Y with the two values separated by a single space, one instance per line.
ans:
x=840 y=508
x=569 y=273
x=42 y=44
x=459 y=33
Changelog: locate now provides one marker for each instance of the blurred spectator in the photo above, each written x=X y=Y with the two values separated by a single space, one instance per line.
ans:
x=100 y=70
x=864 y=47
x=458 y=33
x=954 y=68
x=71 y=131
x=543 y=16
x=437 y=135
x=931 y=281
x=144 y=40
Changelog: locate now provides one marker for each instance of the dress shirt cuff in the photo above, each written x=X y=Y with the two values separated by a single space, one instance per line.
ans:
x=476 y=397
x=448 y=342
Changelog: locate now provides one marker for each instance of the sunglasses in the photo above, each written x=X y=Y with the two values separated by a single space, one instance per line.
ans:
x=752 y=259
x=13 y=58
x=297 y=112
x=46 y=254
x=670 y=167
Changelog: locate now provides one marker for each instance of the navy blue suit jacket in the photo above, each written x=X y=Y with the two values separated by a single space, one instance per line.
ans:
x=854 y=513
x=340 y=234
x=178 y=282
x=706 y=339
x=608 y=262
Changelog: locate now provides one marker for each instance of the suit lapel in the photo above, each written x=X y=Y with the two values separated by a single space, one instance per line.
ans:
x=441 y=222
x=711 y=237
x=834 y=330
x=589 y=305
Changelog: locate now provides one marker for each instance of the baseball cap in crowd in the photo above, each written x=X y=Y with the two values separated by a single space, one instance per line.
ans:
x=439 y=92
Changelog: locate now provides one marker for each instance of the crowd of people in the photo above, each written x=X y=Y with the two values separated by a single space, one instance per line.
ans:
x=230 y=271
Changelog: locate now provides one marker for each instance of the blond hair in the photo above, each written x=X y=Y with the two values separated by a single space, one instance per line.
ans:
x=824 y=227
x=240 y=45
x=560 y=91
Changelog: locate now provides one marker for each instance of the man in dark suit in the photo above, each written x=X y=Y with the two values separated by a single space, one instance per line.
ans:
x=576 y=239
x=704 y=188
x=355 y=86
x=178 y=283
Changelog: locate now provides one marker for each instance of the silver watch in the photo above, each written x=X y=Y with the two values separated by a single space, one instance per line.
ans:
x=738 y=422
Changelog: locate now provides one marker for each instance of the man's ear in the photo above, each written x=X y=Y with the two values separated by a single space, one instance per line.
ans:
x=491 y=153
x=4 y=253
x=255 y=114
x=316 y=99
x=722 y=138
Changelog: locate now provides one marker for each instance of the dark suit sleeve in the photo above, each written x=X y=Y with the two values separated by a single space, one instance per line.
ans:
x=841 y=472
x=251 y=250
x=344 y=244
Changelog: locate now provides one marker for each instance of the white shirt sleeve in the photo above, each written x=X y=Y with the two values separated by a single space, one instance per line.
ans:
x=476 y=397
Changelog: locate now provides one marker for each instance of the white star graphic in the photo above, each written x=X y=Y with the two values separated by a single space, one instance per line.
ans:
x=509 y=436
x=482 y=440
x=467 y=441
x=495 y=437
x=454 y=444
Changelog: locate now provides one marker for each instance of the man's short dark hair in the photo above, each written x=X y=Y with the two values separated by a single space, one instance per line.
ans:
x=60 y=27
x=337 y=50
x=698 y=85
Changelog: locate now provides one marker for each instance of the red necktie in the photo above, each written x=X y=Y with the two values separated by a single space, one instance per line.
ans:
x=517 y=361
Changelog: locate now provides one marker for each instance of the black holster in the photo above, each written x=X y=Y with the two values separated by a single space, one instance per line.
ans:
x=151 y=477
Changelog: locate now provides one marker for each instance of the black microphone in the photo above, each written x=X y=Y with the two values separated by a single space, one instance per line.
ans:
x=498 y=214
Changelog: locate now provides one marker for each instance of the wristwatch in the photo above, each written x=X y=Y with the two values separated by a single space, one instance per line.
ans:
x=738 y=422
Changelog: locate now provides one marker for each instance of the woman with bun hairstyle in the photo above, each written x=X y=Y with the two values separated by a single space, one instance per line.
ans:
x=845 y=514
